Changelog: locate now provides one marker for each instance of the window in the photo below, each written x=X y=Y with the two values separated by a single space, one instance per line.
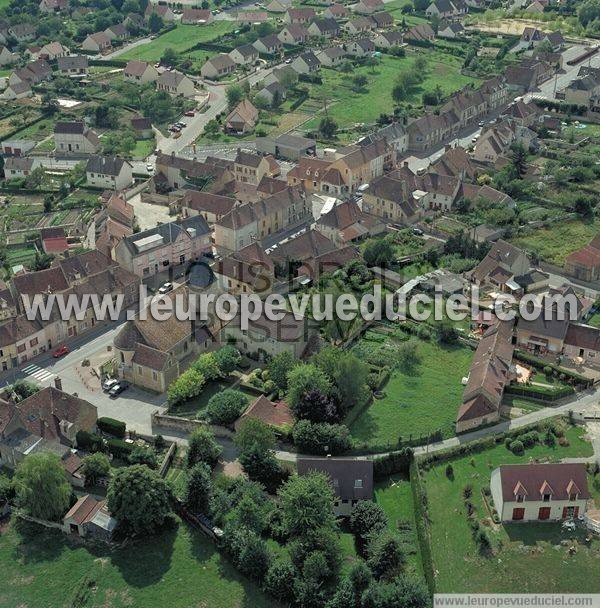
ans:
x=520 y=498
x=33 y=342
x=154 y=376
x=547 y=497
x=358 y=483
x=139 y=369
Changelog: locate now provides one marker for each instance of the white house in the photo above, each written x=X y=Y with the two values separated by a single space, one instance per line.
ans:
x=109 y=172
x=540 y=492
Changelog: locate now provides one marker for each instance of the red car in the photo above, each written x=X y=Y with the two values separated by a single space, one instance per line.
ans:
x=190 y=113
x=61 y=351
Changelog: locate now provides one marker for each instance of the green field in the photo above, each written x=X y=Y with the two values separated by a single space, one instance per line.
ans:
x=416 y=404
x=347 y=107
x=180 y=39
x=555 y=243
x=43 y=568
x=526 y=558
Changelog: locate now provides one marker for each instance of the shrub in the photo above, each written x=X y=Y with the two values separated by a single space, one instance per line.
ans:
x=468 y=491
x=313 y=437
x=449 y=471
x=89 y=441
x=143 y=455
x=113 y=427
x=226 y=406
x=547 y=370
x=517 y=447
x=119 y=448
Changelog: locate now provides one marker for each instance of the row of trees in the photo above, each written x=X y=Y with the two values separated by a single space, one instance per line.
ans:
x=208 y=367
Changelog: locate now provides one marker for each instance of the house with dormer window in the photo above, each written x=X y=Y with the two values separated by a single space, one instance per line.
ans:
x=351 y=480
x=540 y=492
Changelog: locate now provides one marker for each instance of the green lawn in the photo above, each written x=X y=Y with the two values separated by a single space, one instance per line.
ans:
x=526 y=559
x=143 y=148
x=195 y=407
x=180 y=39
x=555 y=243
x=395 y=497
x=417 y=404
x=43 y=568
x=348 y=107
x=594 y=320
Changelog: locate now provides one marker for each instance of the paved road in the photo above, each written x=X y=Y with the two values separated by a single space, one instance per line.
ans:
x=125 y=48
x=584 y=401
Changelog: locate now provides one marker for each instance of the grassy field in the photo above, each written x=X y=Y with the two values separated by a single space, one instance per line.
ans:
x=395 y=497
x=45 y=568
x=143 y=147
x=526 y=557
x=419 y=403
x=555 y=243
x=180 y=39
x=347 y=106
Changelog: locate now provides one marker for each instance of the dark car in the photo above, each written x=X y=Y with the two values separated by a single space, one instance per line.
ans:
x=117 y=389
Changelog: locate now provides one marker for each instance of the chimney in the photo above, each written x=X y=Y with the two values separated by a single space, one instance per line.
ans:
x=405 y=163
x=447 y=147
x=58 y=383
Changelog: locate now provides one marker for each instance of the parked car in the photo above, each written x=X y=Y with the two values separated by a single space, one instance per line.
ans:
x=149 y=168
x=418 y=231
x=117 y=389
x=108 y=384
x=61 y=351
x=190 y=113
x=166 y=288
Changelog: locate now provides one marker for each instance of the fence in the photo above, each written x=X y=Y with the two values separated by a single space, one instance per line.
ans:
x=166 y=463
x=42 y=522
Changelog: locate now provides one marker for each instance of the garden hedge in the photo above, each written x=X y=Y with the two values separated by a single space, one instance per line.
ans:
x=89 y=441
x=119 y=448
x=113 y=427
x=541 y=364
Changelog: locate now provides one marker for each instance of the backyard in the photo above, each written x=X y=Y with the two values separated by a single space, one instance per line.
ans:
x=46 y=568
x=554 y=243
x=194 y=408
x=544 y=565
x=394 y=495
x=418 y=402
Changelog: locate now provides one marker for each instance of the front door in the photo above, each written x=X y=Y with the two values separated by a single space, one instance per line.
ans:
x=518 y=514
x=544 y=513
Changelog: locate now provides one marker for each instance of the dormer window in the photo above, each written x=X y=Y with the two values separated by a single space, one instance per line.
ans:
x=547 y=497
x=520 y=498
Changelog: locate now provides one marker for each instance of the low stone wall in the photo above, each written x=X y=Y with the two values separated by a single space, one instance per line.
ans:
x=42 y=522
x=185 y=425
